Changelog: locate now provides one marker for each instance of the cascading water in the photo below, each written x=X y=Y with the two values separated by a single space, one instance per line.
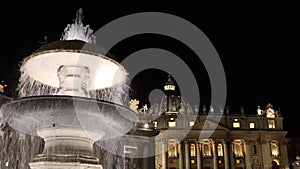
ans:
x=17 y=150
x=70 y=95
x=117 y=93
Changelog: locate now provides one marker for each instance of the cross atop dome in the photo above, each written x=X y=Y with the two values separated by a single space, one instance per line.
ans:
x=269 y=105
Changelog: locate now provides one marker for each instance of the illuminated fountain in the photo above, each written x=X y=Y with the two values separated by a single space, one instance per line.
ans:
x=71 y=96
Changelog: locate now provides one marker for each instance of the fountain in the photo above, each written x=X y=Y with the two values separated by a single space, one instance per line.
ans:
x=71 y=96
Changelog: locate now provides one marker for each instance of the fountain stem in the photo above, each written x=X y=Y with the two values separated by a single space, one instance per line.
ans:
x=73 y=80
x=66 y=145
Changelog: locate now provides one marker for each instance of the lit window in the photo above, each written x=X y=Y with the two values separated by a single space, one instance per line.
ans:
x=274 y=148
x=271 y=124
x=172 y=150
x=192 y=123
x=236 y=124
x=238 y=148
x=193 y=150
x=206 y=150
x=220 y=150
x=193 y=161
x=252 y=125
x=238 y=161
x=172 y=124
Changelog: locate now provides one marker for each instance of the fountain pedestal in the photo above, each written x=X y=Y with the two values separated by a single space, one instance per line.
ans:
x=66 y=147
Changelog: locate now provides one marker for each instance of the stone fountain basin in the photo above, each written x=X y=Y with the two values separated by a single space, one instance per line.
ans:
x=29 y=114
x=42 y=65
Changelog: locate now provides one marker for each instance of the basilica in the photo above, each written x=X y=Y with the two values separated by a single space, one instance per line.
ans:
x=208 y=139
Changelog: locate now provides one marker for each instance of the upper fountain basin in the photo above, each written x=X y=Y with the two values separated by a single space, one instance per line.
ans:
x=28 y=114
x=43 y=64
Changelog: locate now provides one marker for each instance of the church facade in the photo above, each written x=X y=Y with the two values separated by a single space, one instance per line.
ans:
x=217 y=140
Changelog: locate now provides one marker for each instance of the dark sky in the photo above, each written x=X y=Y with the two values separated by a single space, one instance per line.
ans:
x=258 y=46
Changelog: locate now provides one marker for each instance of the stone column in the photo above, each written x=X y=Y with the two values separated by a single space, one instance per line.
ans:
x=284 y=154
x=198 y=148
x=164 y=154
x=266 y=159
x=248 y=154
x=232 y=162
x=180 y=155
x=187 y=155
x=157 y=151
x=226 y=155
x=215 y=156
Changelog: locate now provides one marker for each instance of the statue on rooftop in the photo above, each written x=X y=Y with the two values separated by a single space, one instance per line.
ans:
x=260 y=112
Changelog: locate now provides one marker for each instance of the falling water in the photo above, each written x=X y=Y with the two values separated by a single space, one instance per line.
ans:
x=30 y=87
x=17 y=150
x=75 y=31
x=109 y=158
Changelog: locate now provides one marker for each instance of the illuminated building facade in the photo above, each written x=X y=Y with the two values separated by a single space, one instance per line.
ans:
x=232 y=141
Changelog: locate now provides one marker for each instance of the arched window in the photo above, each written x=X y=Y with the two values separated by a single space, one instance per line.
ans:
x=238 y=148
x=206 y=147
x=274 y=148
x=193 y=150
x=206 y=150
x=220 y=150
x=172 y=150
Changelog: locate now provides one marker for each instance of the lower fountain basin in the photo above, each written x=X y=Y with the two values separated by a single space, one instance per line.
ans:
x=29 y=114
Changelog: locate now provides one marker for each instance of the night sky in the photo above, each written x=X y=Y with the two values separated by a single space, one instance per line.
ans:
x=258 y=46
